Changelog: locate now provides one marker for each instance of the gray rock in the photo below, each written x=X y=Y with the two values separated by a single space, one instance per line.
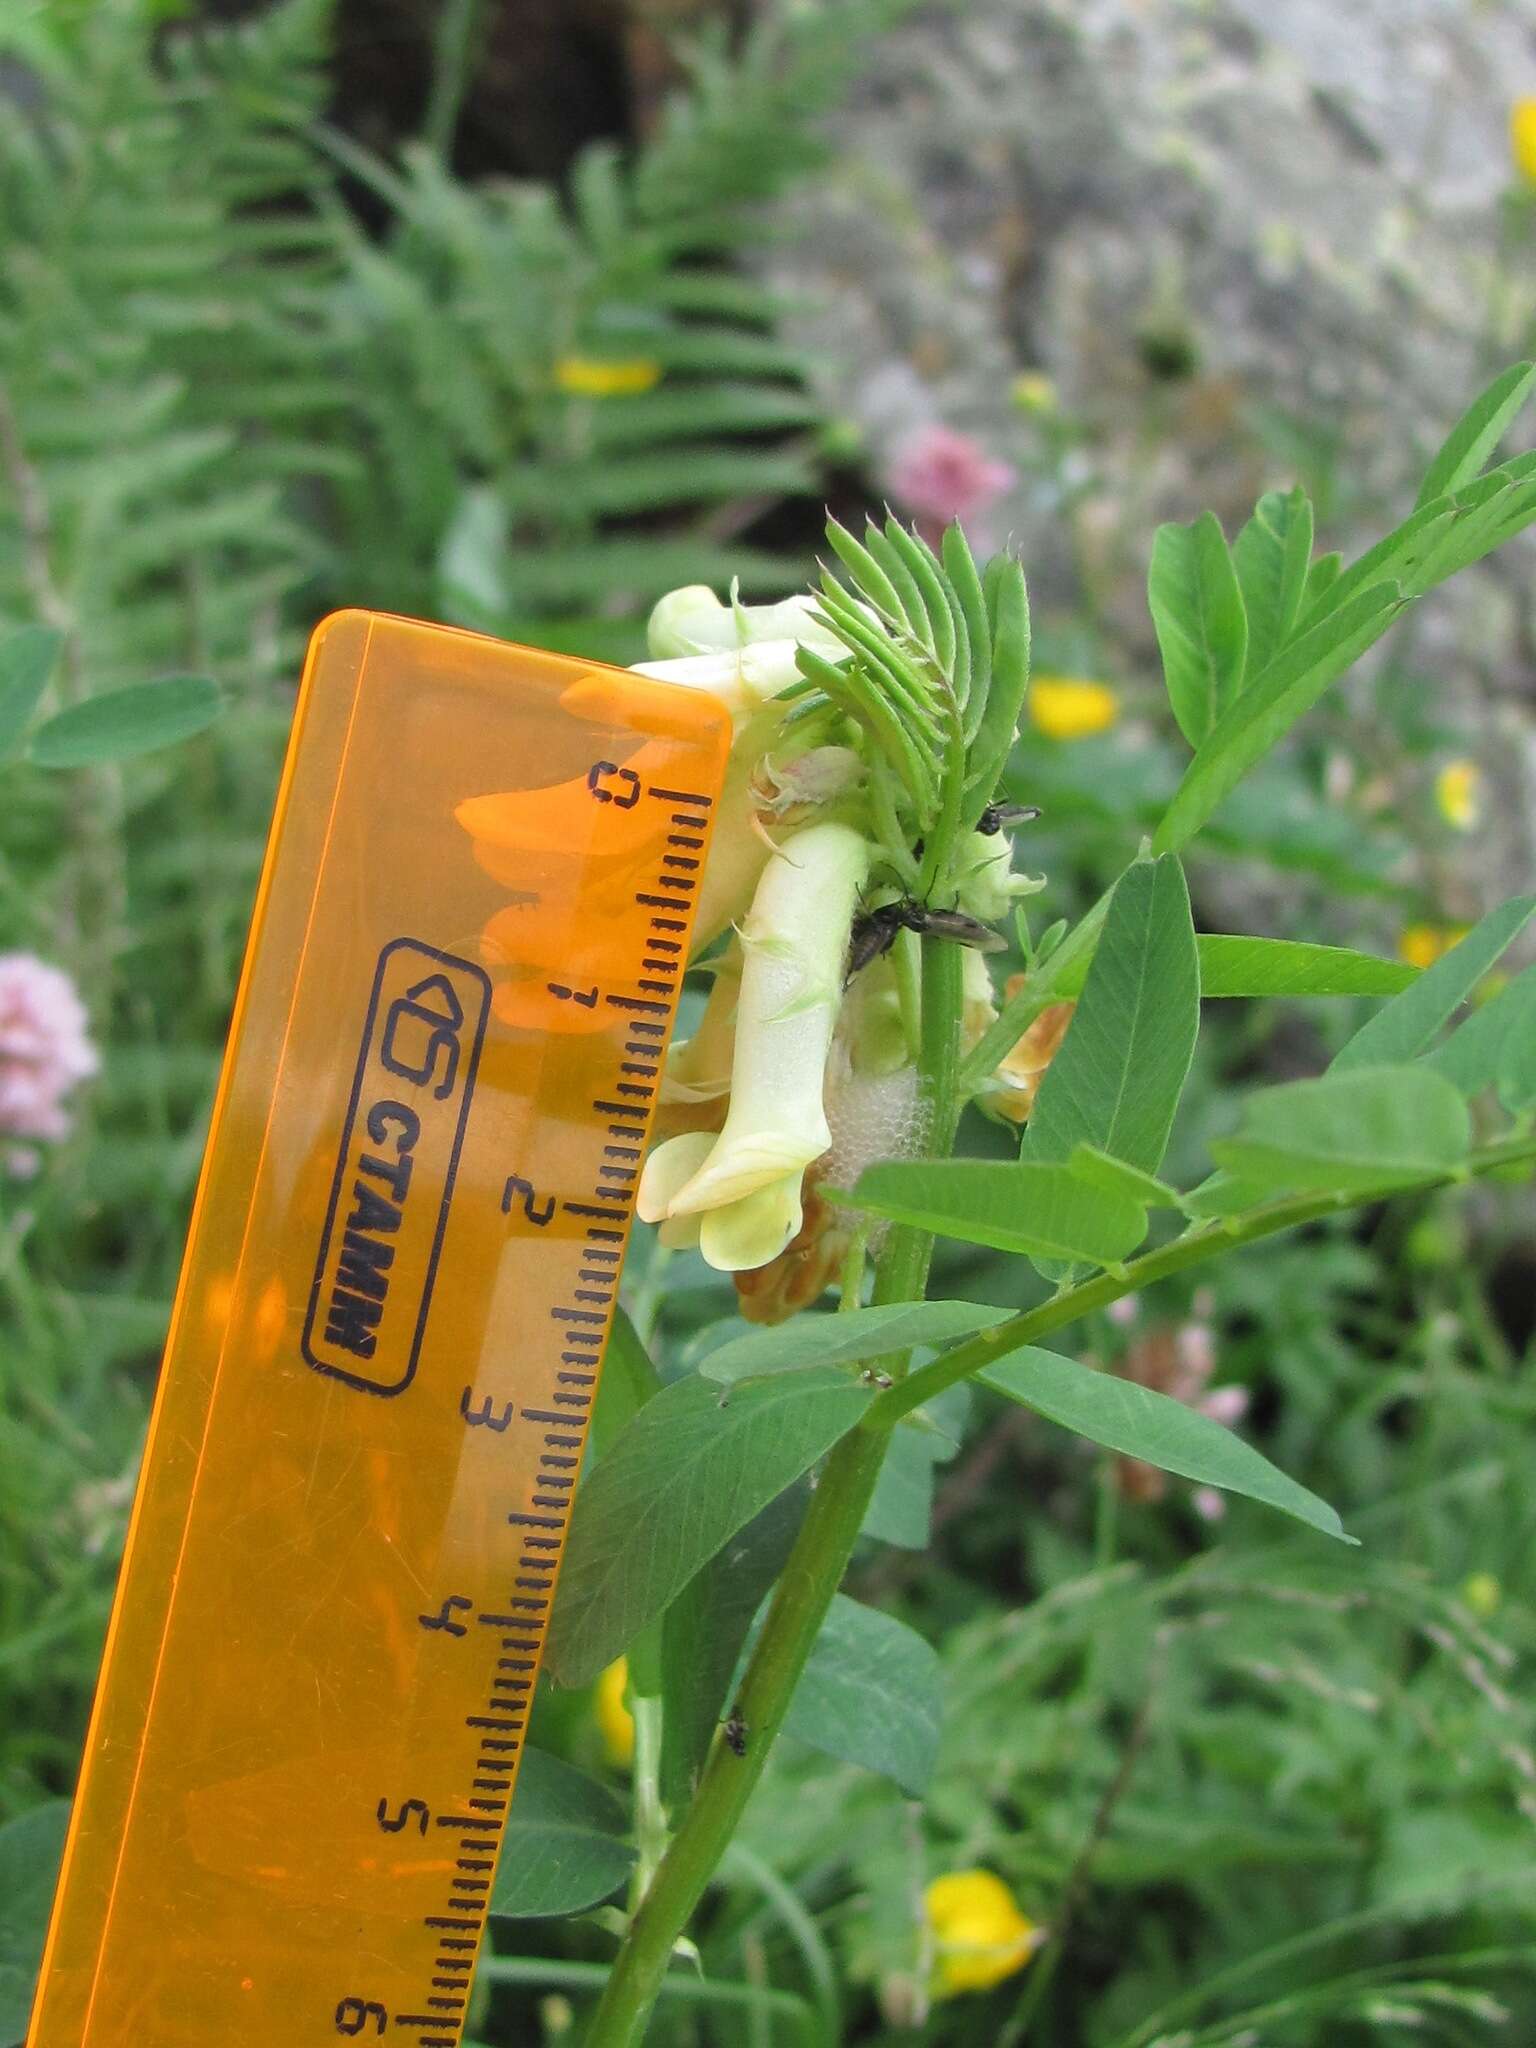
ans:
x=1243 y=238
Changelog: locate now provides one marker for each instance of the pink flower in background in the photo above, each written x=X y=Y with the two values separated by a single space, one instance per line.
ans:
x=45 y=1051
x=1179 y=1362
x=940 y=474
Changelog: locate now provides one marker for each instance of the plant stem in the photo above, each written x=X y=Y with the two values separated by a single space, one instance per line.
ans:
x=804 y=1592
x=1206 y=1241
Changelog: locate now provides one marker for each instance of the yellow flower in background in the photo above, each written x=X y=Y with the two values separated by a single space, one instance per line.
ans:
x=979 y=1935
x=1032 y=391
x=1522 y=137
x=600 y=377
x=1070 y=707
x=614 y=1720
x=1421 y=945
x=1482 y=1593
x=1459 y=794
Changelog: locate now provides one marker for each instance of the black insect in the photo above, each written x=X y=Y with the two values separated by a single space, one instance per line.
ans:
x=736 y=1735
x=998 y=817
x=875 y=931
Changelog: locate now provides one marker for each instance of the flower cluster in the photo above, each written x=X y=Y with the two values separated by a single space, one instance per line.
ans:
x=870 y=726
x=45 y=1052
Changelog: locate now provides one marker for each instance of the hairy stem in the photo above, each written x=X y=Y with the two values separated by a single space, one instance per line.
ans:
x=803 y=1595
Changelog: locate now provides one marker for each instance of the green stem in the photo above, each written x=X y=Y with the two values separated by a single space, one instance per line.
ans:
x=804 y=1592
x=650 y=1814
x=1206 y=1241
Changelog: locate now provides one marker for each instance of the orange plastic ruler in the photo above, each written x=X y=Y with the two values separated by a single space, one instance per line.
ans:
x=466 y=957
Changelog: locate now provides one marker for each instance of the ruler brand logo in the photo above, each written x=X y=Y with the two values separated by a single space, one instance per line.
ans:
x=396 y=1167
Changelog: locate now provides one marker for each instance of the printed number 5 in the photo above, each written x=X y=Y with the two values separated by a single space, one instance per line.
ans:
x=353 y=2015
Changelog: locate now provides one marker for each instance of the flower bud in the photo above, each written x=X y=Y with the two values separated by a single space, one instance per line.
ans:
x=694 y=621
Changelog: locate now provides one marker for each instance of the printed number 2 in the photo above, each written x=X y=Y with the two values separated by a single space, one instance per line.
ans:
x=353 y=2015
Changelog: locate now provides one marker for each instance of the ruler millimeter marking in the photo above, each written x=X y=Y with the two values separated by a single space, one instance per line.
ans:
x=404 y=1253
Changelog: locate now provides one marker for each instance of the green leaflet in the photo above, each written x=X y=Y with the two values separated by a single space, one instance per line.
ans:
x=1139 y=1423
x=1366 y=1128
x=1238 y=966
x=566 y=1846
x=134 y=720
x=1202 y=626
x=847 y=1338
x=704 y=1628
x=694 y=1466
x=1102 y=1170
x=1271 y=705
x=871 y=1694
x=27 y=660
x=30 y=1849
x=1231 y=964
x=1115 y=1083
x=1403 y=1027
x=1478 y=432
x=1272 y=556
x=1045 y=1211
x=1486 y=1049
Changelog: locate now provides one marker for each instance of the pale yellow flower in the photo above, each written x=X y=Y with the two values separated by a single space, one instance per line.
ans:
x=1522 y=137
x=604 y=377
x=979 y=1935
x=1071 y=707
x=1421 y=945
x=1483 y=1594
x=616 y=1724
x=741 y=1189
x=1459 y=794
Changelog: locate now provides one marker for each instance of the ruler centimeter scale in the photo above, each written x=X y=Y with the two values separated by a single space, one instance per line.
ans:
x=462 y=974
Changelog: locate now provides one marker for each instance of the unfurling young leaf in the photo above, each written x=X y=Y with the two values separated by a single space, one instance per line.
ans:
x=1202 y=628
x=1478 y=432
x=1272 y=556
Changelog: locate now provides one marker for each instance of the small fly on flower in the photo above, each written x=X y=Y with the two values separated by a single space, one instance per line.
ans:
x=875 y=931
x=1003 y=817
